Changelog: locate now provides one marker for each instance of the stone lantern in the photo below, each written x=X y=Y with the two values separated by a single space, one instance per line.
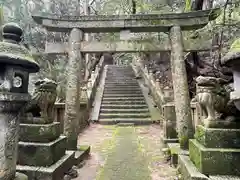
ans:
x=232 y=60
x=15 y=65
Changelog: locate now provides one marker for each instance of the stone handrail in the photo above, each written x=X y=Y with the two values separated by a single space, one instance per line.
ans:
x=162 y=97
x=86 y=99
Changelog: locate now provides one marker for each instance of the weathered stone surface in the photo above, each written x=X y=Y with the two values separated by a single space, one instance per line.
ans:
x=169 y=122
x=41 y=154
x=217 y=137
x=214 y=161
x=127 y=47
x=175 y=151
x=134 y=23
x=81 y=153
x=39 y=132
x=73 y=89
x=180 y=86
x=188 y=169
x=43 y=99
x=53 y=172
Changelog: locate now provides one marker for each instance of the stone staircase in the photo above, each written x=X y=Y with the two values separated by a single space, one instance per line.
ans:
x=123 y=100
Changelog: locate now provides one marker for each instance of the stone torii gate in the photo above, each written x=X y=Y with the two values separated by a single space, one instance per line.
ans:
x=172 y=23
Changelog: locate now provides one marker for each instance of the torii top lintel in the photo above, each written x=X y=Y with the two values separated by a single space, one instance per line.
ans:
x=134 y=23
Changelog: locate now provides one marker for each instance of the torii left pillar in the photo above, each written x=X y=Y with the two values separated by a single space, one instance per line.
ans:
x=180 y=87
x=72 y=103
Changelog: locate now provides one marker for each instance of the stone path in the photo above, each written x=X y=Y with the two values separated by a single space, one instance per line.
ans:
x=124 y=153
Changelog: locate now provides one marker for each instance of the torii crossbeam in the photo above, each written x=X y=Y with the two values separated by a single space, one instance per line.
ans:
x=134 y=23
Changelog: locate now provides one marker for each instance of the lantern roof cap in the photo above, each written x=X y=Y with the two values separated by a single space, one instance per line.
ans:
x=12 y=51
x=233 y=55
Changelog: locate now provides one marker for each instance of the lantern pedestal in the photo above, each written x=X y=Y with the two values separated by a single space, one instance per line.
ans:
x=214 y=151
x=42 y=151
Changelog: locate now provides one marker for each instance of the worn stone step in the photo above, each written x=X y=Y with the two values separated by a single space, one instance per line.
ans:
x=122 y=95
x=122 y=83
x=41 y=154
x=124 y=111
x=133 y=99
x=135 y=121
x=123 y=88
x=124 y=102
x=122 y=92
x=124 y=106
x=123 y=115
x=120 y=87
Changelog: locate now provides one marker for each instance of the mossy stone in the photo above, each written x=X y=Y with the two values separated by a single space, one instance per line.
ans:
x=213 y=161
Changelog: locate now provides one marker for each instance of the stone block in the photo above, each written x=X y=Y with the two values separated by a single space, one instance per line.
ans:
x=41 y=154
x=53 y=172
x=214 y=161
x=169 y=122
x=217 y=137
x=188 y=170
x=175 y=151
x=39 y=132
x=81 y=154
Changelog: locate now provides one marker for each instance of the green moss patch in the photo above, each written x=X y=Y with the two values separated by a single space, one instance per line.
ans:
x=125 y=160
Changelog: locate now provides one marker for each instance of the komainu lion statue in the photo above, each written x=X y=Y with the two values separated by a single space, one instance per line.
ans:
x=43 y=99
x=213 y=95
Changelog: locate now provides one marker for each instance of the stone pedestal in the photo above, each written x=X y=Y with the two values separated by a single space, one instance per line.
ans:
x=214 y=151
x=169 y=124
x=42 y=150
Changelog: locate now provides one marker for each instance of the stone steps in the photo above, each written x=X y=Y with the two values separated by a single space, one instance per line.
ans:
x=124 y=106
x=122 y=95
x=123 y=100
x=122 y=92
x=135 y=121
x=124 y=115
x=124 y=110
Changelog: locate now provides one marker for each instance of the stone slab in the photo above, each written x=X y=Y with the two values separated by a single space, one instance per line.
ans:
x=214 y=161
x=20 y=176
x=175 y=151
x=135 y=121
x=53 y=172
x=81 y=153
x=188 y=170
x=39 y=132
x=128 y=47
x=41 y=154
x=218 y=138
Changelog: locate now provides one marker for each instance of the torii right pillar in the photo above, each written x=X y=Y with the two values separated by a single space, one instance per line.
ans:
x=180 y=87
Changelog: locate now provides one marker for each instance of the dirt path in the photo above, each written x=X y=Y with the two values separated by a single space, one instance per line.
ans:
x=117 y=152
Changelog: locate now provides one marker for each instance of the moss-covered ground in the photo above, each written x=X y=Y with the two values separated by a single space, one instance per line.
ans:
x=124 y=153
